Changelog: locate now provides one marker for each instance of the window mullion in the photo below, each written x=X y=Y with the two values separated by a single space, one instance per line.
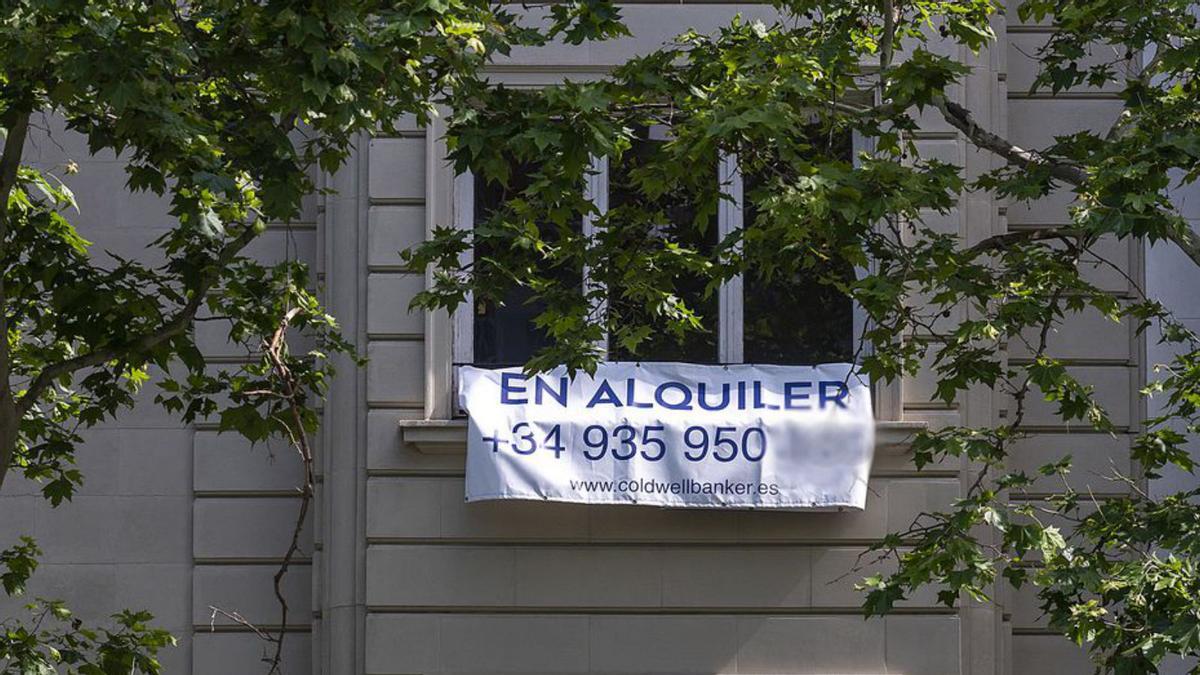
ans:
x=464 y=314
x=596 y=192
x=729 y=220
x=860 y=144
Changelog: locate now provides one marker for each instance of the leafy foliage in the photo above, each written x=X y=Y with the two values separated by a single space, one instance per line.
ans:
x=54 y=641
x=224 y=107
x=227 y=110
x=1118 y=573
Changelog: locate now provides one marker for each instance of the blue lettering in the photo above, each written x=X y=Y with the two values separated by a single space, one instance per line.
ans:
x=758 y=401
x=507 y=389
x=741 y=395
x=839 y=399
x=629 y=396
x=604 y=394
x=540 y=385
x=684 y=404
x=791 y=396
x=724 y=397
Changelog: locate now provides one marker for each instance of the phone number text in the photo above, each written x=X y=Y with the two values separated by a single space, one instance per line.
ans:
x=626 y=442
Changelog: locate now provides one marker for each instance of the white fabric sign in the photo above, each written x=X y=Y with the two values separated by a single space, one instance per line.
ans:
x=671 y=434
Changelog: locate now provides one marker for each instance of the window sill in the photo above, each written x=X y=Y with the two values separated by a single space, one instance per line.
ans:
x=449 y=437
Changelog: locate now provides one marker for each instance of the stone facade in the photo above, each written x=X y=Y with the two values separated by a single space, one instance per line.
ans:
x=403 y=577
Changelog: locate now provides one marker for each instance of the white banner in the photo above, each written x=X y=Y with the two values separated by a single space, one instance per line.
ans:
x=671 y=434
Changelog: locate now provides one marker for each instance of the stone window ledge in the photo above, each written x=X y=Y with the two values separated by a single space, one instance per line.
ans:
x=449 y=437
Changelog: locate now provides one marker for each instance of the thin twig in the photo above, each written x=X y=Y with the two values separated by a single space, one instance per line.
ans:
x=294 y=396
x=237 y=618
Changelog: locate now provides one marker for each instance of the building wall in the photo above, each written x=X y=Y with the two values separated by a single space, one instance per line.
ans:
x=404 y=577
x=451 y=587
x=556 y=588
x=170 y=518
x=1101 y=352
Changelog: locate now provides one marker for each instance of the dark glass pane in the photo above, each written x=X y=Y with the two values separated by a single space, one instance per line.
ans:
x=678 y=214
x=792 y=318
x=797 y=321
x=504 y=331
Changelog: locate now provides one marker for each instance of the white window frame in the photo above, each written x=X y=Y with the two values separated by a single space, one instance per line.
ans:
x=464 y=314
x=730 y=218
x=449 y=339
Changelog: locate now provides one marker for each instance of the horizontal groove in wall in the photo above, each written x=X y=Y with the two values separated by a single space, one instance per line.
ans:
x=653 y=611
x=915 y=474
x=1066 y=429
x=246 y=494
x=396 y=337
x=1044 y=225
x=301 y=225
x=459 y=473
x=1106 y=363
x=738 y=544
x=402 y=133
x=392 y=269
x=1031 y=28
x=1036 y=631
x=395 y=405
x=216 y=426
x=1013 y=227
x=1063 y=96
x=1083 y=501
x=275 y=562
x=935 y=135
x=398 y=269
x=1115 y=294
x=397 y=201
x=552 y=68
x=415 y=473
x=230 y=359
x=926 y=406
x=237 y=628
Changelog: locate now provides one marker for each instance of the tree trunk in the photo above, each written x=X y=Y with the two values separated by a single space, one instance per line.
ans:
x=16 y=122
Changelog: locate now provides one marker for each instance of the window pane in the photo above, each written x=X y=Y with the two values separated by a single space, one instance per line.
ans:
x=792 y=318
x=797 y=321
x=504 y=331
x=674 y=222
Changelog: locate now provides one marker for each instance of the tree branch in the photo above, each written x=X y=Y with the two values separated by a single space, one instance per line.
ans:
x=960 y=118
x=1002 y=241
x=887 y=39
x=294 y=395
x=16 y=123
x=172 y=328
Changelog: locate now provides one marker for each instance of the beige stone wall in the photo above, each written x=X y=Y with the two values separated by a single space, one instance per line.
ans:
x=1101 y=352
x=401 y=576
x=170 y=518
x=451 y=587
x=552 y=588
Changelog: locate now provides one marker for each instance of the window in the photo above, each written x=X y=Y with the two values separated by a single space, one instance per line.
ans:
x=785 y=319
x=790 y=317
x=675 y=223
x=503 y=332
